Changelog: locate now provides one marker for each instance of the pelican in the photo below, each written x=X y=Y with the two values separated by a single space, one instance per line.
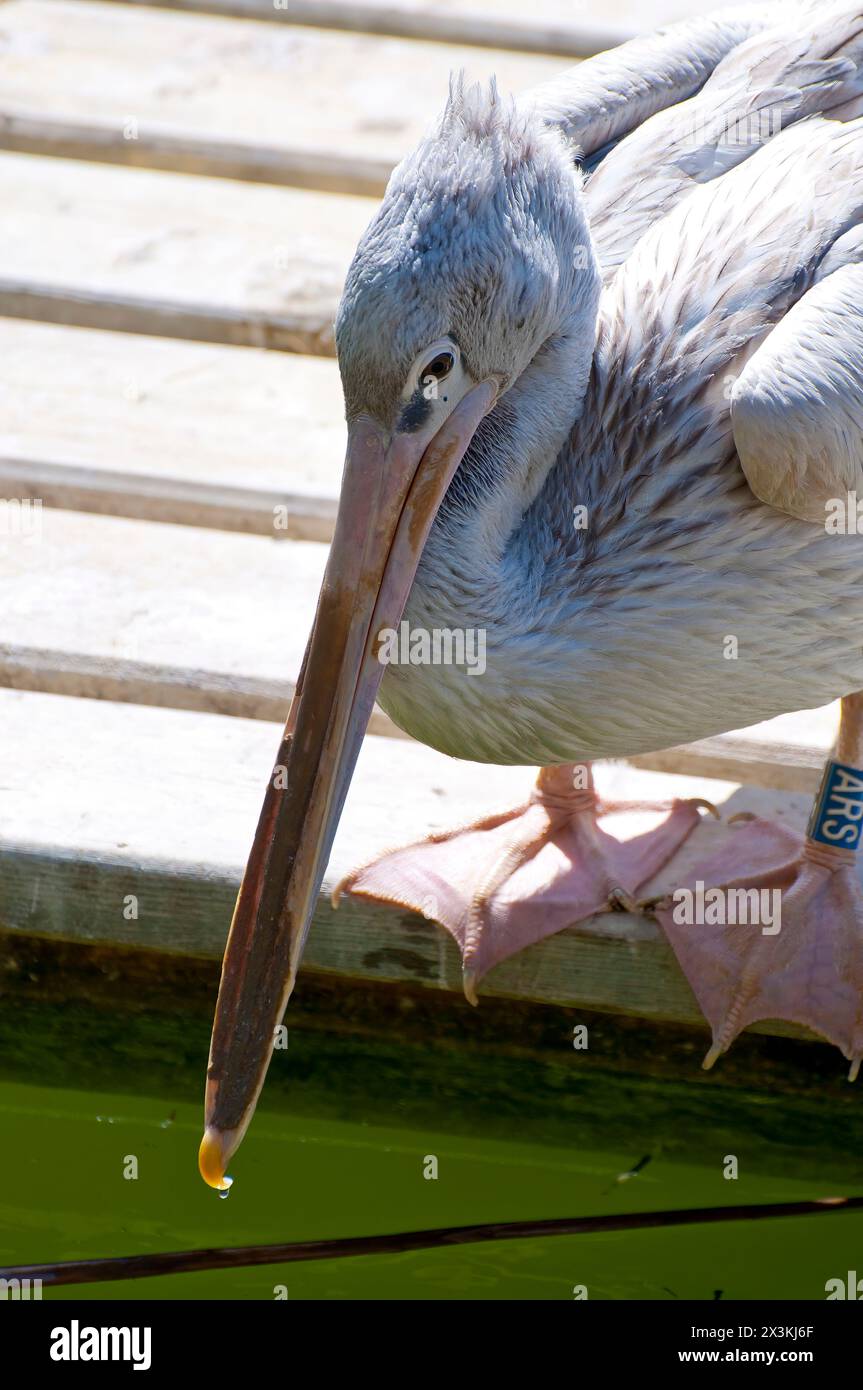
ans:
x=602 y=357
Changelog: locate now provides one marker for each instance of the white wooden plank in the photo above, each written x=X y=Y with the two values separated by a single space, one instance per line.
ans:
x=227 y=97
x=102 y=801
x=195 y=619
x=572 y=28
x=159 y=614
x=145 y=498
x=562 y=27
x=23 y=132
x=160 y=253
x=786 y=753
x=170 y=431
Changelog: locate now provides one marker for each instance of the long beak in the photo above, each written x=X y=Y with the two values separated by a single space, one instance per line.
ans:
x=389 y=499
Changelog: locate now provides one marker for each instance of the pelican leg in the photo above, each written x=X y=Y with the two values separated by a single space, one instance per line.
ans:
x=508 y=881
x=784 y=938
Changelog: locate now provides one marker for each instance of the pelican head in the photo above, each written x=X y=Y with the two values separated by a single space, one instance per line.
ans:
x=475 y=260
x=475 y=275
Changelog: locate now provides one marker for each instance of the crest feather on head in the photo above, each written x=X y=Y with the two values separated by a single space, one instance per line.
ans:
x=481 y=129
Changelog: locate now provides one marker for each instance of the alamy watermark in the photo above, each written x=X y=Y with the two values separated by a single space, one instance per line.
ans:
x=437 y=646
x=77 y=1343
x=738 y=130
x=728 y=907
x=844 y=515
x=21 y=517
x=18 y=1290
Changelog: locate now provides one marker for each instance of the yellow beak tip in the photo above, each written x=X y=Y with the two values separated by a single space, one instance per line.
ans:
x=212 y=1161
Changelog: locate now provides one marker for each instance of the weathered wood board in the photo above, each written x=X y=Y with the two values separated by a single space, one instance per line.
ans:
x=159 y=253
x=102 y=801
x=226 y=96
x=574 y=28
x=566 y=27
x=195 y=619
x=170 y=431
x=170 y=615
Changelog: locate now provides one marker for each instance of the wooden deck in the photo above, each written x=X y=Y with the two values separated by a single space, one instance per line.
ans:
x=187 y=184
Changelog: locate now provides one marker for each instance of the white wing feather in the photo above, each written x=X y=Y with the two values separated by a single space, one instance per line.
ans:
x=806 y=65
x=606 y=97
x=655 y=117
x=797 y=408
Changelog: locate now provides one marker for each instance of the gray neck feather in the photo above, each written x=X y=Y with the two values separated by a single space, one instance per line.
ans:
x=515 y=448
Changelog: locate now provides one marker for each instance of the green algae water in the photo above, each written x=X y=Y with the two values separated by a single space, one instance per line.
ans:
x=303 y=1180
x=347 y=1143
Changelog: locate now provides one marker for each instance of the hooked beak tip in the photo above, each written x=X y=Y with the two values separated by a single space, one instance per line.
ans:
x=213 y=1156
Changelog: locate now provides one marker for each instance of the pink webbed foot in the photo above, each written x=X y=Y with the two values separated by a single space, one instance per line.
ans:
x=784 y=940
x=512 y=879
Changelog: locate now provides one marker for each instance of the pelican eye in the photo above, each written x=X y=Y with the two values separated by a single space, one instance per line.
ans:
x=439 y=367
